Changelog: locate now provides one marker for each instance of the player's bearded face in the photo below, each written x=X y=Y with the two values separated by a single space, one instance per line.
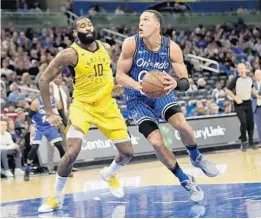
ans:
x=86 y=38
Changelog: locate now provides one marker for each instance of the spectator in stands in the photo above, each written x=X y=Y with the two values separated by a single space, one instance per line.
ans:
x=242 y=10
x=192 y=86
x=21 y=5
x=10 y=109
x=8 y=147
x=26 y=83
x=218 y=92
x=21 y=68
x=5 y=70
x=36 y=7
x=3 y=95
x=201 y=83
x=61 y=92
x=227 y=107
x=214 y=109
x=20 y=122
x=118 y=11
x=34 y=69
x=200 y=109
x=24 y=104
x=16 y=94
x=11 y=129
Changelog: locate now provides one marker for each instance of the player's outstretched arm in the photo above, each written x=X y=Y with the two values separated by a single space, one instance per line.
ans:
x=125 y=63
x=179 y=67
x=67 y=57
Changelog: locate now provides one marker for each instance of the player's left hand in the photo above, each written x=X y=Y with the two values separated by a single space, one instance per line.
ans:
x=169 y=82
x=54 y=120
x=117 y=88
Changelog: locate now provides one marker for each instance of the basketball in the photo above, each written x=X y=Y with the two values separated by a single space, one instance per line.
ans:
x=152 y=84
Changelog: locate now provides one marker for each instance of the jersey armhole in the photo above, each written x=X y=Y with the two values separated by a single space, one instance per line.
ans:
x=77 y=58
x=99 y=42
x=168 y=49
x=136 y=46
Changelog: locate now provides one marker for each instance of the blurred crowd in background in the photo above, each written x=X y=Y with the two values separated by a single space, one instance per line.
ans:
x=26 y=54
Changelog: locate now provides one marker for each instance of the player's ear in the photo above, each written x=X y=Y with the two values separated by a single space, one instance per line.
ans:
x=158 y=25
x=75 y=33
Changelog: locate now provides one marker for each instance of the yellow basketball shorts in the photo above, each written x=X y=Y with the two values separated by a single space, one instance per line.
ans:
x=105 y=114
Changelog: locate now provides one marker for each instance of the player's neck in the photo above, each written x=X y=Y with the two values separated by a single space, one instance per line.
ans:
x=153 y=42
x=91 y=47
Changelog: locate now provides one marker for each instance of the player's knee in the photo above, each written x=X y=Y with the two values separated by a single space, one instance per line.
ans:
x=72 y=154
x=156 y=140
x=174 y=111
x=179 y=122
x=147 y=127
x=74 y=145
x=74 y=133
x=128 y=155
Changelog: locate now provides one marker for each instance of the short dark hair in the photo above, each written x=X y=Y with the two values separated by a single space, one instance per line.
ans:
x=157 y=15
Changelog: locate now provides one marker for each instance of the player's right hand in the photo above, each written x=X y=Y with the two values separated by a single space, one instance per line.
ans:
x=238 y=100
x=54 y=120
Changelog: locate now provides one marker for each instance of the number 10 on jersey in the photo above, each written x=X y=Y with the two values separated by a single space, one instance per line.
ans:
x=98 y=70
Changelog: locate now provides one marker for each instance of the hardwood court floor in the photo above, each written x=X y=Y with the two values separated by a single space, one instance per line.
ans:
x=234 y=166
x=240 y=177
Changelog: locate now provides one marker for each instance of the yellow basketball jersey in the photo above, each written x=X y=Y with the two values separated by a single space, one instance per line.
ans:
x=93 y=74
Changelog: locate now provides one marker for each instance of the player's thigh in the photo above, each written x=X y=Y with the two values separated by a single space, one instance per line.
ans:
x=53 y=135
x=112 y=124
x=37 y=137
x=140 y=111
x=167 y=106
x=79 y=118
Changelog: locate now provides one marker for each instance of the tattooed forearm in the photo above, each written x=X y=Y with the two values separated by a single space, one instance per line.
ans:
x=44 y=86
x=64 y=58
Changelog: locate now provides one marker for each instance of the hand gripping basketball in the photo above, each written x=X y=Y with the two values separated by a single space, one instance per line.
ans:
x=157 y=84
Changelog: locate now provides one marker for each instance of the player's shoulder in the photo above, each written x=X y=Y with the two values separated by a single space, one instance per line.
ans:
x=129 y=45
x=68 y=56
x=106 y=45
x=130 y=41
x=173 y=45
x=68 y=51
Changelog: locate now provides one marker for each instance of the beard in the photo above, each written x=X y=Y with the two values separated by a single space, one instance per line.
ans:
x=85 y=39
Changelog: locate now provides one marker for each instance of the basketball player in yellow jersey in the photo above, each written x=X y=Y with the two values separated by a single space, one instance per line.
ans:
x=89 y=62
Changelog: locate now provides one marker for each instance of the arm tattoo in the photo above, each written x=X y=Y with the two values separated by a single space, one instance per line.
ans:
x=67 y=57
